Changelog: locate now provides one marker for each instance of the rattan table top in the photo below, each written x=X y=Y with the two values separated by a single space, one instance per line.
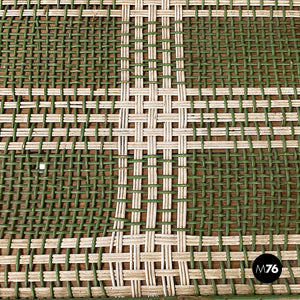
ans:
x=148 y=148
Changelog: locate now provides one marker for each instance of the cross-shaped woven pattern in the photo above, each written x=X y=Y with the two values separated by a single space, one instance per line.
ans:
x=148 y=148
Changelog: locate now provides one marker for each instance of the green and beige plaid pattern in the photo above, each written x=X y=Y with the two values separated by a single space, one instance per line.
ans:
x=148 y=147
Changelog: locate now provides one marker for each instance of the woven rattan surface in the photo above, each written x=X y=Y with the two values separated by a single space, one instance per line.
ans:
x=148 y=147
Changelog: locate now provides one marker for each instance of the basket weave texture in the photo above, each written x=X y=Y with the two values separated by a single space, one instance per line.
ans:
x=148 y=147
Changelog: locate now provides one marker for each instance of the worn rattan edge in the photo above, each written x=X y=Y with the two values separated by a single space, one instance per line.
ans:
x=159 y=2
x=123 y=291
x=145 y=13
x=228 y=297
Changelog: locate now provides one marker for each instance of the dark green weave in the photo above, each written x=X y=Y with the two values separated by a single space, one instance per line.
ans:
x=228 y=193
x=85 y=52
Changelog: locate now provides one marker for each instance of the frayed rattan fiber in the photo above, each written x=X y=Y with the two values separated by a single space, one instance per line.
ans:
x=148 y=148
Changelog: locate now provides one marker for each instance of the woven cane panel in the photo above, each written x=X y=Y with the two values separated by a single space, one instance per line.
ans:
x=148 y=148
